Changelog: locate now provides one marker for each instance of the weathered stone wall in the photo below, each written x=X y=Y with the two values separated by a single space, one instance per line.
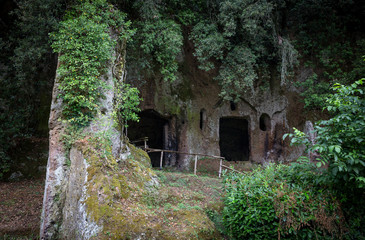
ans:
x=195 y=91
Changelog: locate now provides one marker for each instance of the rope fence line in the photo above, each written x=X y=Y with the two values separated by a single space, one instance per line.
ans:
x=221 y=166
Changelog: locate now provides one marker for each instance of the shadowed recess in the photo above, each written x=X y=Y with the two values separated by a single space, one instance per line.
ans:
x=234 y=139
x=265 y=122
x=151 y=124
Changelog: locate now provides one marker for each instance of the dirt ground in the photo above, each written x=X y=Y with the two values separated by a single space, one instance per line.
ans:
x=20 y=208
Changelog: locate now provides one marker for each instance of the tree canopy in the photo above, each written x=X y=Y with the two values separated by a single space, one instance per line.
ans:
x=247 y=42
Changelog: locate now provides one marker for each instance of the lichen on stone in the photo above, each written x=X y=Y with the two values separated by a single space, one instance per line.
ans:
x=123 y=197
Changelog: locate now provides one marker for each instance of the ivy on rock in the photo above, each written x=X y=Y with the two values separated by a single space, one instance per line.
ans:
x=85 y=46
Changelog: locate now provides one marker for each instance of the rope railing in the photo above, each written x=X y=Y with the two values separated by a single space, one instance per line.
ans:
x=184 y=153
x=150 y=150
x=143 y=139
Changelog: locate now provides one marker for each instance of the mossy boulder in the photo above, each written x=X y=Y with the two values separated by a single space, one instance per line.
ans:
x=123 y=199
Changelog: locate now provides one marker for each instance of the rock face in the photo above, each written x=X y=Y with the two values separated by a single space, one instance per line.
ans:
x=66 y=212
x=98 y=186
x=57 y=171
x=189 y=116
x=63 y=207
x=75 y=222
x=93 y=178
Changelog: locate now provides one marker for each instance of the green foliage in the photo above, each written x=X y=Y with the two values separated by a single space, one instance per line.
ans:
x=26 y=61
x=160 y=33
x=247 y=41
x=85 y=48
x=250 y=42
x=340 y=145
x=237 y=72
x=5 y=163
x=160 y=41
x=242 y=41
x=36 y=20
x=27 y=70
x=126 y=104
x=217 y=218
x=163 y=40
x=280 y=201
x=329 y=38
x=314 y=92
x=7 y=131
x=334 y=63
x=210 y=43
x=340 y=140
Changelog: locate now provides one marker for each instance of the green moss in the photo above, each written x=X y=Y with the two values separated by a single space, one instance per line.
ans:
x=170 y=105
x=193 y=116
x=184 y=90
x=118 y=200
x=111 y=185
x=139 y=155
x=198 y=225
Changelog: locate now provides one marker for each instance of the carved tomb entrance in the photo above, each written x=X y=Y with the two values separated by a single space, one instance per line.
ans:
x=234 y=139
x=152 y=125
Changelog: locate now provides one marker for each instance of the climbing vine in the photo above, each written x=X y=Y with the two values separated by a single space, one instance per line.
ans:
x=85 y=47
x=126 y=104
x=126 y=100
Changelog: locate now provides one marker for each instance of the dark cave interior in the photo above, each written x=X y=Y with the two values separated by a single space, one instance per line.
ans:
x=152 y=125
x=234 y=139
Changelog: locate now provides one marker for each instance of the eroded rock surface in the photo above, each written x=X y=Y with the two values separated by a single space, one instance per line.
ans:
x=65 y=206
x=194 y=116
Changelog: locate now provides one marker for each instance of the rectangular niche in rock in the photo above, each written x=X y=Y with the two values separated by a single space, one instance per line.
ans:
x=234 y=139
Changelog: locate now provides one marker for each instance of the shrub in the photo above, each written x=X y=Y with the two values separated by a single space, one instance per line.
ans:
x=280 y=201
x=340 y=145
x=340 y=140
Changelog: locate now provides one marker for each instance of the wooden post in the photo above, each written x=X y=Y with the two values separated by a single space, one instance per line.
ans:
x=220 y=168
x=161 y=160
x=145 y=143
x=195 y=164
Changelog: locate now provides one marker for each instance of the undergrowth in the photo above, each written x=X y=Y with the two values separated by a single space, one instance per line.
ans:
x=281 y=201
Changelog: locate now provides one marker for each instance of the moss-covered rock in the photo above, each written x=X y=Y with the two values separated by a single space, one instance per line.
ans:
x=123 y=199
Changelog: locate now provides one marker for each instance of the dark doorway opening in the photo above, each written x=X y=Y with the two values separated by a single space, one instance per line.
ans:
x=152 y=125
x=234 y=139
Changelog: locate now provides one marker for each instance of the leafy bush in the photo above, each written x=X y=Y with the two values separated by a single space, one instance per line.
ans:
x=161 y=39
x=340 y=141
x=340 y=146
x=241 y=41
x=280 y=201
x=85 y=46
